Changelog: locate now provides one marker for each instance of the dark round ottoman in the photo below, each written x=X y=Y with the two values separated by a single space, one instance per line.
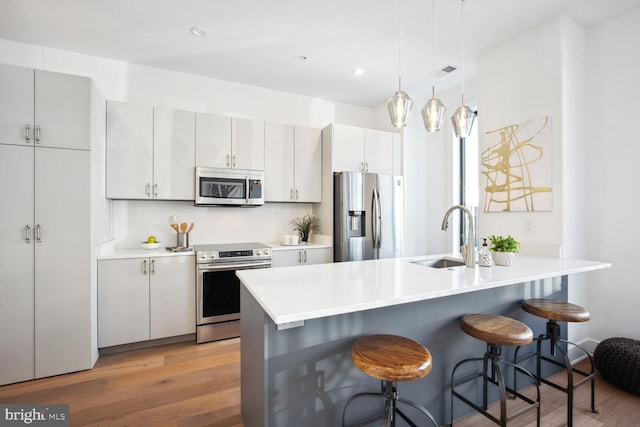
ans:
x=618 y=361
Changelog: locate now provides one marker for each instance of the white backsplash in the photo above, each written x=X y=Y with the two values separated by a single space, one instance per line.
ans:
x=133 y=221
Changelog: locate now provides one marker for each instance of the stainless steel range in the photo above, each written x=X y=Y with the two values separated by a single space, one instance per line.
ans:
x=218 y=288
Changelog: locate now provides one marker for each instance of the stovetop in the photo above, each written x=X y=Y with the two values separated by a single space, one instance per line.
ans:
x=232 y=251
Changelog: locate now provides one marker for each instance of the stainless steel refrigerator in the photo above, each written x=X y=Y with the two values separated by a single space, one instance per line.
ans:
x=368 y=216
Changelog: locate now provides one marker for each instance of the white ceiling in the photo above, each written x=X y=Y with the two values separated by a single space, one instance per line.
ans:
x=261 y=42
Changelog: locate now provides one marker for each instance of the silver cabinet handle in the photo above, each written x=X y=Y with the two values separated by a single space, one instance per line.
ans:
x=27 y=133
x=366 y=166
x=362 y=166
x=227 y=160
x=144 y=267
x=37 y=232
x=305 y=256
x=296 y=194
x=299 y=257
x=147 y=189
x=233 y=161
x=291 y=194
x=153 y=266
x=155 y=190
x=38 y=131
x=27 y=234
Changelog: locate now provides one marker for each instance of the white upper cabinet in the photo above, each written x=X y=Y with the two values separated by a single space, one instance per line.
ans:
x=247 y=144
x=225 y=142
x=44 y=108
x=362 y=150
x=378 y=151
x=213 y=140
x=150 y=152
x=279 y=184
x=293 y=163
x=348 y=148
x=129 y=151
x=308 y=164
x=174 y=154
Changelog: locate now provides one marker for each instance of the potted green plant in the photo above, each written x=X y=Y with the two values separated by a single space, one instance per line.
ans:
x=503 y=249
x=305 y=225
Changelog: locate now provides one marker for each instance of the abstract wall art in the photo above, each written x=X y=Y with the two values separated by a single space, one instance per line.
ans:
x=516 y=167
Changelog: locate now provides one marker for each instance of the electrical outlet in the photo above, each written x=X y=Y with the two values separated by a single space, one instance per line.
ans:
x=528 y=226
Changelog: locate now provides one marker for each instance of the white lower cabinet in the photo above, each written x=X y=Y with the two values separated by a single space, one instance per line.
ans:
x=300 y=256
x=145 y=298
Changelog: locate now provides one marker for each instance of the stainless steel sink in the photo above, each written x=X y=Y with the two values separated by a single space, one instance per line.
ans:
x=440 y=263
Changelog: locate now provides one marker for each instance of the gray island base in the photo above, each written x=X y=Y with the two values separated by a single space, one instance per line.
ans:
x=303 y=376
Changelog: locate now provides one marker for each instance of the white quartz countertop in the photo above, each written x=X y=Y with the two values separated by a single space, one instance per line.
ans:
x=142 y=253
x=307 y=292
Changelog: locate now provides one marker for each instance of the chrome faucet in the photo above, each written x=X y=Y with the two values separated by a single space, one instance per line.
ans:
x=468 y=250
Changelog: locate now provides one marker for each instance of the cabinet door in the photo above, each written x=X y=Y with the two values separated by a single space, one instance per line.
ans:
x=174 y=154
x=123 y=301
x=16 y=264
x=308 y=165
x=129 y=151
x=286 y=258
x=213 y=141
x=63 y=261
x=348 y=148
x=172 y=296
x=378 y=151
x=279 y=163
x=247 y=144
x=16 y=103
x=62 y=110
x=317 y=256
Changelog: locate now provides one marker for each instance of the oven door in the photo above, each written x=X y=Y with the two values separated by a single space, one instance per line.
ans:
x=218 y=291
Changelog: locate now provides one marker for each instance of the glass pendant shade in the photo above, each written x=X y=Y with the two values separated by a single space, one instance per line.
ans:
x=399 y=105
x=433 y=115
x=462 y=121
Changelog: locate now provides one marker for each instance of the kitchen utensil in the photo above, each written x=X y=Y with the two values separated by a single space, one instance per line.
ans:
x=183 y=227
x=175 y=227
x=190 y=228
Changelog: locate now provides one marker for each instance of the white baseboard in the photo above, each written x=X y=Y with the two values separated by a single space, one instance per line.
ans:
x=576 y=355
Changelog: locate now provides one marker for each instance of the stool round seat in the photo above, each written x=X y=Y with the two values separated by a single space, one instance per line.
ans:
x=391 y=357
x=496 y=329
x=555 y=310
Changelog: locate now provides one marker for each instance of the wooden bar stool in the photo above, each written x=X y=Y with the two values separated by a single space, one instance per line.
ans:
x=558 y=311
x=390 y=358
x=496 y=331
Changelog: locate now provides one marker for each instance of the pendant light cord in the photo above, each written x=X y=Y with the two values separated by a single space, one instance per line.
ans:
x=399 y=56
x=433 y=55
x=462 y=44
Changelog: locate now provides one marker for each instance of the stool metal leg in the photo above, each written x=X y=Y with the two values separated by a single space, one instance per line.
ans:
x=389 y=393
x=553 y=335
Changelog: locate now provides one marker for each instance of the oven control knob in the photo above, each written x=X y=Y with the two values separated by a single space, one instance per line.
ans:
x=266 y=251
x=203 y=255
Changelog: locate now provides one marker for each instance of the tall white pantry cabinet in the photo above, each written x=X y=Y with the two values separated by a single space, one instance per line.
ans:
x=45 y=187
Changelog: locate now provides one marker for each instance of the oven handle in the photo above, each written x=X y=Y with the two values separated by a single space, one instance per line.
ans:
x=239 y=266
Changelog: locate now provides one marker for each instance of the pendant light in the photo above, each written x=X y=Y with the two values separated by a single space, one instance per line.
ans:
x=434 y=110
x=400 y=104
x=463 y=117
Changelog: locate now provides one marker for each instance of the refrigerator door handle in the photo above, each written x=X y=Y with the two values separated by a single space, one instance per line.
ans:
x=379 y=220
x=376 y=225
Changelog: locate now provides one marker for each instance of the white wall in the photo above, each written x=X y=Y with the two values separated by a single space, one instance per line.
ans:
x=613 y=198
x=133 y=221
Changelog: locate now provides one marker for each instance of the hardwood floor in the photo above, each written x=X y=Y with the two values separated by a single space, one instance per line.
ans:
x=189 y=385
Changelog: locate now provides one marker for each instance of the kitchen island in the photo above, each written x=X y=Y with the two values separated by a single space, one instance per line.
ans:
x=298 y=325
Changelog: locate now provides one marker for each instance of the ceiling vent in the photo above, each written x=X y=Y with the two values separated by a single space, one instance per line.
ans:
x=443 y=71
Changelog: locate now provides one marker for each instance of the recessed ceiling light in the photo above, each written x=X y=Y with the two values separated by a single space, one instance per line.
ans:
x=358 y=71
x=198 y=31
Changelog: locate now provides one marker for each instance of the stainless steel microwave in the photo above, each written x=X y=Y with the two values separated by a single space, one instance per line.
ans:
x=229 y=187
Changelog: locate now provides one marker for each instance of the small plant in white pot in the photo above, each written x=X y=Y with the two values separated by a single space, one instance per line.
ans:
x=503 y=249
